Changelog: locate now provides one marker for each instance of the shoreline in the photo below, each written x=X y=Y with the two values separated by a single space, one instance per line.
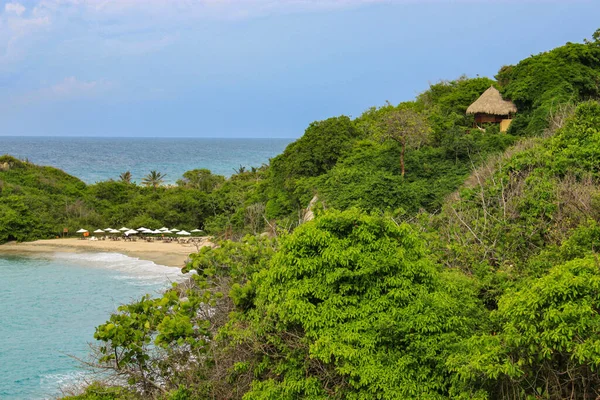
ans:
x=167 y=254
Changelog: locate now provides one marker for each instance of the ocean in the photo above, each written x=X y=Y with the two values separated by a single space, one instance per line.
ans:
x=98 y=159
x=50 y=306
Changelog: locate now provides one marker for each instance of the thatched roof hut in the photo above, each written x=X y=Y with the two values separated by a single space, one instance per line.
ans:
x=492 y=103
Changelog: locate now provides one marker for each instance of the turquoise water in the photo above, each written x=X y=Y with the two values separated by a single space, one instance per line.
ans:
x=49 y=307
x=99 y=159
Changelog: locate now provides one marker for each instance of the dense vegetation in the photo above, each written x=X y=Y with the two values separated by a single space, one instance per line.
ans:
x=443 y=262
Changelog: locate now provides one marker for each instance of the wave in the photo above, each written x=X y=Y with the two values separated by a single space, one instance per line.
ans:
x=134 y=270
x=66 y=381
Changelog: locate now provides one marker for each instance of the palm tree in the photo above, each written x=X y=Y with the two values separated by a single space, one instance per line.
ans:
x=153 y=179
x=125 y=177
x=240 y=170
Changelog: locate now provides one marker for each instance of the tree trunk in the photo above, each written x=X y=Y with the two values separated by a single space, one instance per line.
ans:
x=402 y=158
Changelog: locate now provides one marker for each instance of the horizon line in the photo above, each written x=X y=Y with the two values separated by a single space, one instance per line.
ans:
x=145 y=137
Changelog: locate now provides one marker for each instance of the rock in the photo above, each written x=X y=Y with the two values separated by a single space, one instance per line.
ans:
x=308 y=214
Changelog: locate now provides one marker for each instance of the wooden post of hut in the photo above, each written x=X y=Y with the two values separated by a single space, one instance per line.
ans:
x=490 y=107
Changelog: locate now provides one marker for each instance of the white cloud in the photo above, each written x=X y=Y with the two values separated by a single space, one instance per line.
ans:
x=18 y=33
x=68 y=89
x=14 y=8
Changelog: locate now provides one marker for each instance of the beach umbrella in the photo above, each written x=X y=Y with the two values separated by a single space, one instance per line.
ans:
x=124 y=229
x=164 y=229
x=184 y=233
x=115 y=231
x=108 y=229
x=82 y=231
x=157 y=232
x=99 y=231
x=142 y=229
x=131 y=232
x=174 y=230
x=197 y=230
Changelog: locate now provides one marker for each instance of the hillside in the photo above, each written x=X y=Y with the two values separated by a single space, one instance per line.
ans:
x=30 y=195
x=348 y=163
x=451 y=263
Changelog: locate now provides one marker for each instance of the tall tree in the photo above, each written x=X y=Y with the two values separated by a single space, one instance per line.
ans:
x=125 y=177
x=153 y=179
x=407 y=127
x=201 y=179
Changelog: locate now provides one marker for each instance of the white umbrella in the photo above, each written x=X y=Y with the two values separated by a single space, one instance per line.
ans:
x=157 y=232
x=108 y=229
x=197 y=230
x=82 y=231
x=99 y=231
x=174 y=230
x=164 y=229
x=183 y=233
x=115 y=231
x=131 y=232
x=141 y=229
x=124 y=229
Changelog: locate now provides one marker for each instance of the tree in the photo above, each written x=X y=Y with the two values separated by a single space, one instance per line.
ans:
x=545 y=344
x=201 y=179
x=240 y=170
x=595 y=39
x=125 y=177
x=407 y=127
x=351 y=307
x=153 y=179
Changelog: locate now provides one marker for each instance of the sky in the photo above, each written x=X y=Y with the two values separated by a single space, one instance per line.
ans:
x=251 y=68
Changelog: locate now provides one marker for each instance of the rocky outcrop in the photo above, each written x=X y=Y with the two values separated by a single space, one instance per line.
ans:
x=308 y=214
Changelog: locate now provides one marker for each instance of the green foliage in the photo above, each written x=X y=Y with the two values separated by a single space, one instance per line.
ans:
x=408 y=128
x=351 y=308
x=446 y=103
x=38 y=202
x=540 y=83
x=138 y=339
x=370 y=178
x=576 y=149
x=520 y=204
x=125 y=177
x=171 y=339
x=495 y=294
x=33 y=200
x=584 y=240
x=528 y=229
x=547 y=342
x=201 y=179
x=315 y=153
x=235 y=260
x=154 y=179
x=98 y=391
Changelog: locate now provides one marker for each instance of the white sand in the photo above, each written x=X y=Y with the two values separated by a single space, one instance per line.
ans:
x=169 y=254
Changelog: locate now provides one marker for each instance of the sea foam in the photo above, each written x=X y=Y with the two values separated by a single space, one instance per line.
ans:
x=129 y=268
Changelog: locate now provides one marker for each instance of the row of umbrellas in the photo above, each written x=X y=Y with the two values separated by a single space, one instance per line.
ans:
x=143 y=230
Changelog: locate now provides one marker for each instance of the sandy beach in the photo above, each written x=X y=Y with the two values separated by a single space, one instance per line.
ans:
x=169 y=254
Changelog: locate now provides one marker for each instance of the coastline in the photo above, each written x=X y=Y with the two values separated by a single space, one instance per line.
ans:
x=167 y=254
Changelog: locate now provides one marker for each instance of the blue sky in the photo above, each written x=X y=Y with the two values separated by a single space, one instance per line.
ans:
x=251 y=68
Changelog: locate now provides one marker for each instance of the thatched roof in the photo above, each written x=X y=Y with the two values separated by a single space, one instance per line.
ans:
x=491 y=102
